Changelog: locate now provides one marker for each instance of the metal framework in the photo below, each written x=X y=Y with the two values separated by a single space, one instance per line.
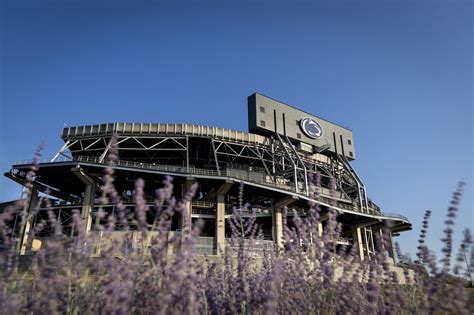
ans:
x=279 y=160
x=279 y=171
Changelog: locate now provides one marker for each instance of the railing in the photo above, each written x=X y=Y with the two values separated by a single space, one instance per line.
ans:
x=250 y=210
x=255 y=177
x=203 y=204
x=160 y=130
x=255 y=247
x=205 y=245
x=198 y=211
x=343 y=241
x=396 y=216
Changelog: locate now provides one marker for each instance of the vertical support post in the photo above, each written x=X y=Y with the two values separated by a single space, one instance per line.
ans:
x=89 y=196
x=371 y=241
x=187 y=154
x=87 y=206
x=215 y=157
x=277 y=216
x=273 y=160
x=366 y=242
x=391 y=251
x=381 y=246
x=170 y=246
x=306 y=187
x=359 y=190
x=189 y=209
x=320 y=229
x=322 y=218
x=187 y=203
x=27 y=221
x=278 y=226
x=357 y=239
x=220 y=215
x=220 y=223
x=295 y=178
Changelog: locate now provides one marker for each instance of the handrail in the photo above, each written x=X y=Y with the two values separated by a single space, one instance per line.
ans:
x=396 y=216
x=251 y=176
x=229 y=172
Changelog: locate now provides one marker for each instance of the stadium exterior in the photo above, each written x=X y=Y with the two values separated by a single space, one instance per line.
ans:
x=276 y=162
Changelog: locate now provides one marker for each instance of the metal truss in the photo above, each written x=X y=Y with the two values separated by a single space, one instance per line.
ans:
x=361 y=191
x=279 y=160
x=296 y=167
x=64 y=148
x=260 y=156
x=99 y=146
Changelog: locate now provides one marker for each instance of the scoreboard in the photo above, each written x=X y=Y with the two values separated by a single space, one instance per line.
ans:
x=267 y=116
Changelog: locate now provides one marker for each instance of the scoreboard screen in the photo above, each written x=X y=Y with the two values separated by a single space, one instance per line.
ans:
x=268 y=116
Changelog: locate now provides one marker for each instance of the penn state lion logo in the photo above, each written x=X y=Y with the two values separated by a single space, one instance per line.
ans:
x=311 y=128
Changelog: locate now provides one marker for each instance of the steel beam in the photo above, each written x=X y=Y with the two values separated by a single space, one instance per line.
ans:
x=40 y=187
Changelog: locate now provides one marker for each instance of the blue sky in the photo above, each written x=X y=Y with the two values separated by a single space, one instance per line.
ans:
x=398 y=73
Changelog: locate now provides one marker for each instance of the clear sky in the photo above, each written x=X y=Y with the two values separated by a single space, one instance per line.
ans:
x=398 y=73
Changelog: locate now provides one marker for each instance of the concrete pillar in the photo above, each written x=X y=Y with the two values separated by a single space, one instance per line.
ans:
x=89 y=196
x=382 y=246
x=220 y=223
x=88 y=206
x=170 y=247
x=369 y=241
x=357 y=239
x=278 y=227
x=391 y=249
x=277 y=216
x=220 y=215
x=320 y=229
x=27 y=221
x=322 y=218
x=188 y=203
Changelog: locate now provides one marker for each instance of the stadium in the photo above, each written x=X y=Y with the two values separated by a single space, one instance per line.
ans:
x=274 y=166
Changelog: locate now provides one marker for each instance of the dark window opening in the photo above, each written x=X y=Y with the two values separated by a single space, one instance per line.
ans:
x=262 y=123
x=349 y=141
x=262 y=109
x=350 y=153
x=298 y=135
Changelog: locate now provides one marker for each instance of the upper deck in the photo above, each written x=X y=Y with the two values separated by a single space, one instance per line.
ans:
x=158 y=129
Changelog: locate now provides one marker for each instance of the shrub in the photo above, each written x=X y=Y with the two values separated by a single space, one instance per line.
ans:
x=136 y=273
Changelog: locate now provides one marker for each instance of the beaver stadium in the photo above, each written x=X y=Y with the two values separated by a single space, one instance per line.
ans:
x=276 y=162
